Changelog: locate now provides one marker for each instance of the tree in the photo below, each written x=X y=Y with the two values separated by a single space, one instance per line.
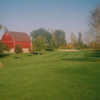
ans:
x=95 y=29
x=1 y=26
x=95 y=20
x=42 y=33
x=95 y=24
x=18 y=49
x=80 y=42
x=39 y=44
x=92 y=44
x=59 y=38
x=69 y=46
x=1 y=48
x=6 y=48
x=74 y=40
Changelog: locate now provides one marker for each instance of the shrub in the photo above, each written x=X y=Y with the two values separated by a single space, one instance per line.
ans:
x=6 y=48
x=1 y=47
x=18 y=49
x=49 y=49
x=69 y=46
x=39 y=44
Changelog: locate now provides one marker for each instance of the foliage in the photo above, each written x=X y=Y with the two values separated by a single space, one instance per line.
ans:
x=95 y=20
x=18 y=49
x=74 y=40
x=59 y=38
x=39 y=44
x=1 y=47
x=95 y=25
x=80 y=42
x=69 y=46
x=92 y=44
x=6 y=48
x=52 y=41
x=42 y=33
x=95 y=29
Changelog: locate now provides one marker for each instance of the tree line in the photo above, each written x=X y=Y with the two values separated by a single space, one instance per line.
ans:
x=42 y=39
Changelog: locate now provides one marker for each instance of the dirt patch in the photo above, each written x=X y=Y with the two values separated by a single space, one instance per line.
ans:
x=68 y=50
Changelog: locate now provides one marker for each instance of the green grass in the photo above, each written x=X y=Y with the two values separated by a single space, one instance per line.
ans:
x=51 y=76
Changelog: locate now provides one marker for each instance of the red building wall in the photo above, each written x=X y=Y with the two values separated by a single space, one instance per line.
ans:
x=23 y=44
x=8 y=40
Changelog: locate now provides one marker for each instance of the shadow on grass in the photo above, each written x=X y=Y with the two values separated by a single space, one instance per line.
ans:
x=3 y=55
x=85 y=56
x=90 y=59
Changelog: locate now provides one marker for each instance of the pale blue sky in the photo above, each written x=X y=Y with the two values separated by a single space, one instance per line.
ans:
x=28 y=15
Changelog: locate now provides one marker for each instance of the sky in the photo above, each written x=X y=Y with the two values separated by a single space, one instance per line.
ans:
x=28 y=15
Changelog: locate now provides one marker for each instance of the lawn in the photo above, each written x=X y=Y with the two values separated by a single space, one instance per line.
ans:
x=51 y=76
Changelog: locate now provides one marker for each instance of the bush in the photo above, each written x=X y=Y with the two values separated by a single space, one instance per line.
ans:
x=37 y=53
x=18 y=49
x=49 y=49
x=39 y=44
x=1 y=47
x=6 y=48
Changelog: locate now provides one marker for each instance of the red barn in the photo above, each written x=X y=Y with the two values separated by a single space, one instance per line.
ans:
x=11 y=39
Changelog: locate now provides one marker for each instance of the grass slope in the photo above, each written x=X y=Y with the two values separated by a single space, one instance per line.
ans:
x=52 y=76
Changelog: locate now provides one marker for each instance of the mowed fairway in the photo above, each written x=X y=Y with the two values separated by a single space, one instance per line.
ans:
x=51 y=76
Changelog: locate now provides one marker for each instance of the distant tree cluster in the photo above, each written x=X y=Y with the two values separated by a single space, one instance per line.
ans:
x=44 y=40
x=59 y=39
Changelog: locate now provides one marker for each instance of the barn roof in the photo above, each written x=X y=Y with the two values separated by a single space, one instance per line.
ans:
x=20 y=36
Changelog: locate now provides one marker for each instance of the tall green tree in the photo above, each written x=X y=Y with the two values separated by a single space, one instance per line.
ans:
x=59 y=38
x=1 y=47
x=80 y=42
x=43 y=33
x=73 y=40
x=39 y=44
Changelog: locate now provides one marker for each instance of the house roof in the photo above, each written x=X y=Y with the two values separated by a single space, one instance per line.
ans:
x=20 y=36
